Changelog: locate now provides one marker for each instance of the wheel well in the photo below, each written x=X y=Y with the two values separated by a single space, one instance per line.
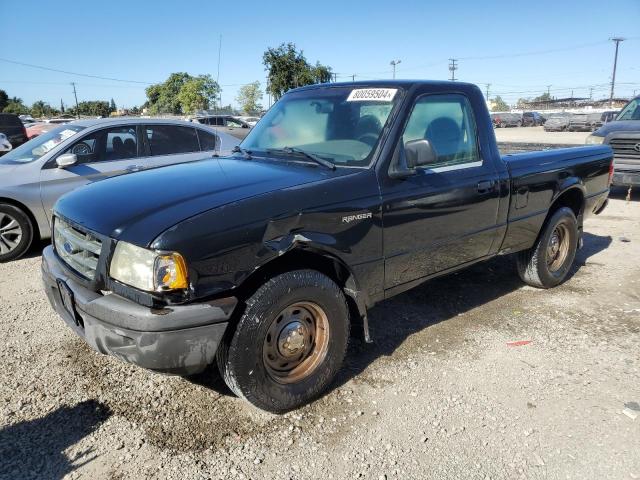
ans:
x=572 y=198
x=21 y=206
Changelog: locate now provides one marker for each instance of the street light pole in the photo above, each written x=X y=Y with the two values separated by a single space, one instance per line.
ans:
x=393 y=63
x=617 y=41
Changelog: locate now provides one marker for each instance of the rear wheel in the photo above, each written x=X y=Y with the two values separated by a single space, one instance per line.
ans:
x=16 y=232
x=289 y=343
x=548 y=262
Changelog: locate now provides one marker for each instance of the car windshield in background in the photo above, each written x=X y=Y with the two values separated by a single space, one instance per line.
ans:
x=341 y=125
x=37 y=147
x=631 y=111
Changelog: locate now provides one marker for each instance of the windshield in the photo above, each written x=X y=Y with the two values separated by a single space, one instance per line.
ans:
x=37 y=147
x=339 y=124
x=631 y=111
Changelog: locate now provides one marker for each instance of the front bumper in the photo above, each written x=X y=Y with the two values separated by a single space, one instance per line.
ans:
x=177 y=339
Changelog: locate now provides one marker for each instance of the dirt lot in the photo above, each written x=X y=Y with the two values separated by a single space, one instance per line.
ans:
x=440 y=394
x=538 y=135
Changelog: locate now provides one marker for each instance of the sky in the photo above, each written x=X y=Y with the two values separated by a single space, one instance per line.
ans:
x=518 y=47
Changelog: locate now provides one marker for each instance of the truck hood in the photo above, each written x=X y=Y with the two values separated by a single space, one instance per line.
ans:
x=138 y=207
x=618 y=126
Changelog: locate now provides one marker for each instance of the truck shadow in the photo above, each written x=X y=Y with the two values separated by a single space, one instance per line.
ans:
x=35 y=448
x=393 y=321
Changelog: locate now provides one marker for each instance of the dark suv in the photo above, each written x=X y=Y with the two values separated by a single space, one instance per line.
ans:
x=12 y=127
x=532 y=119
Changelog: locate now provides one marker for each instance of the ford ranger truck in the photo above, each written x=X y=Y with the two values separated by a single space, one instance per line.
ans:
x=342 y=196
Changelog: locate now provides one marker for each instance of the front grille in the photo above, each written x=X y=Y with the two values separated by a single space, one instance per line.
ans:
x=80 y=250
x=625 y=149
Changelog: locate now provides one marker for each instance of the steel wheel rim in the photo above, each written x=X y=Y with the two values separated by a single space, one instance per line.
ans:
x=10 y=233
x=296 y=342
x=558 y=247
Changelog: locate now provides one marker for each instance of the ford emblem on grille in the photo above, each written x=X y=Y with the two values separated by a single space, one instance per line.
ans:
x=67 y=247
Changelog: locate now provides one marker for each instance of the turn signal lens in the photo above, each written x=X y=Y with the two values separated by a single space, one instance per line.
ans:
x=170 y=272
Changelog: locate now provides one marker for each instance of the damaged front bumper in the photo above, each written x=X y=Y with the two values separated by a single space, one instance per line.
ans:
x=177 y=339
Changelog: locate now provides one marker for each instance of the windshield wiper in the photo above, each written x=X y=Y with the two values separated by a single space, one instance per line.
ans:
x=309 y=155
x=239 y=149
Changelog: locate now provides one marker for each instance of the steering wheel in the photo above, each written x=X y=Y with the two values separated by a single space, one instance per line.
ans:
x=81 y=148
x=368 y=138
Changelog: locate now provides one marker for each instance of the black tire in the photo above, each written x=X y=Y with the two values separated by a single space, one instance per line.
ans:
x=533 y=264
x=241 y=356
x=15 y=240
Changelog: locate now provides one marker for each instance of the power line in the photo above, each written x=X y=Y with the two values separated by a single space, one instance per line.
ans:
x=72 y=73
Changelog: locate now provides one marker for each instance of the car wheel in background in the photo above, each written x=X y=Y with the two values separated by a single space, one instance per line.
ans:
x=548 y=262
x=16 y=232
x=289 y=343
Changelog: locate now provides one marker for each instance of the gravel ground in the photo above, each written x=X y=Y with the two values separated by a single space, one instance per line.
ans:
x=537 y=135
x=442 y=393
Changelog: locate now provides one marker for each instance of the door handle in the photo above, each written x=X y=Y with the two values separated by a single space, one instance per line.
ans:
x=133 y=168
x=486 y=186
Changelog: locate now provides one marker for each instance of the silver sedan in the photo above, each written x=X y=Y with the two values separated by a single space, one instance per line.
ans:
x=34 y=175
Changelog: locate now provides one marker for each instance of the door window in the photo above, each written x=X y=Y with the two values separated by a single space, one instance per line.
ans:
x=208 y=141
x=170 y=139
x=117 y=143
x=447 y=122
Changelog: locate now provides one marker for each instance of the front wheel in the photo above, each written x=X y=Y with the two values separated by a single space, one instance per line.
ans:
x=289 y=343
x=16 y=232
x=548 y=262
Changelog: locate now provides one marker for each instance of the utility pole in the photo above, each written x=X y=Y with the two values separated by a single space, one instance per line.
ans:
x=335 y=78
x=218 y=74
x=353 y=77
x=76 y=97
x=590 y=93
x=487 y=85
x=393 y=63
x=452 y=68
x=617 y=41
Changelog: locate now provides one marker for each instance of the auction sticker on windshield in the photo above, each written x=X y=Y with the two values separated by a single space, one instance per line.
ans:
x=368 y=94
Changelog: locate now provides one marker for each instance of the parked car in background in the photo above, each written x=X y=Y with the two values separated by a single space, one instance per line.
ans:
x=503 y=120
x=609 y=116
x=584 y=122
x=557 y=122
x=34 y=175
x=13 y=128
x=35 y=129
x=623 y=136
x=226 y=123
x=5 y=144
x=59 y=121
x=251 y=121
x=532 y=119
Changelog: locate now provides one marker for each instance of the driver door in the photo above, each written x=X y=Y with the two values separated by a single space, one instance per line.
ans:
x=101 y=154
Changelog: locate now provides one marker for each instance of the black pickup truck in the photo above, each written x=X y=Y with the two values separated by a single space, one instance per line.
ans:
x=343 y=195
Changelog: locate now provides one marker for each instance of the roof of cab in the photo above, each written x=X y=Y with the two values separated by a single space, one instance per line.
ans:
x=386 y=83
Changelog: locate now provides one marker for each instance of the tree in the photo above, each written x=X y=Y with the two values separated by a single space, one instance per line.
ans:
x=93 y=108
x=182 y=93
x=248 y=98
x=112 y=106
x=499 y=105
x=288 y=68
x=545 y=97
x=42 y=109
x=4 y=100
x=16 y=106
x=61 y=106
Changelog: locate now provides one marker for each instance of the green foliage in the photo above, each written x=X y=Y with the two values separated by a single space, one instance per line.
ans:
x=15 y=105
x=112 y=106
x=42 y=109
x=288 y=68
x=545 y=97
x=94 y=108
x=499 y=105
x=4 y=100
x=182 y=93
x=249 y=97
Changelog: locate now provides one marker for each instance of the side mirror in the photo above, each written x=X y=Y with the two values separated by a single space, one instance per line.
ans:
x=419 y=153
x=66 y=160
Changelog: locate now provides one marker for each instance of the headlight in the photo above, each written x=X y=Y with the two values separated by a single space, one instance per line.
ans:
x=148 y=270
x=594 y=140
